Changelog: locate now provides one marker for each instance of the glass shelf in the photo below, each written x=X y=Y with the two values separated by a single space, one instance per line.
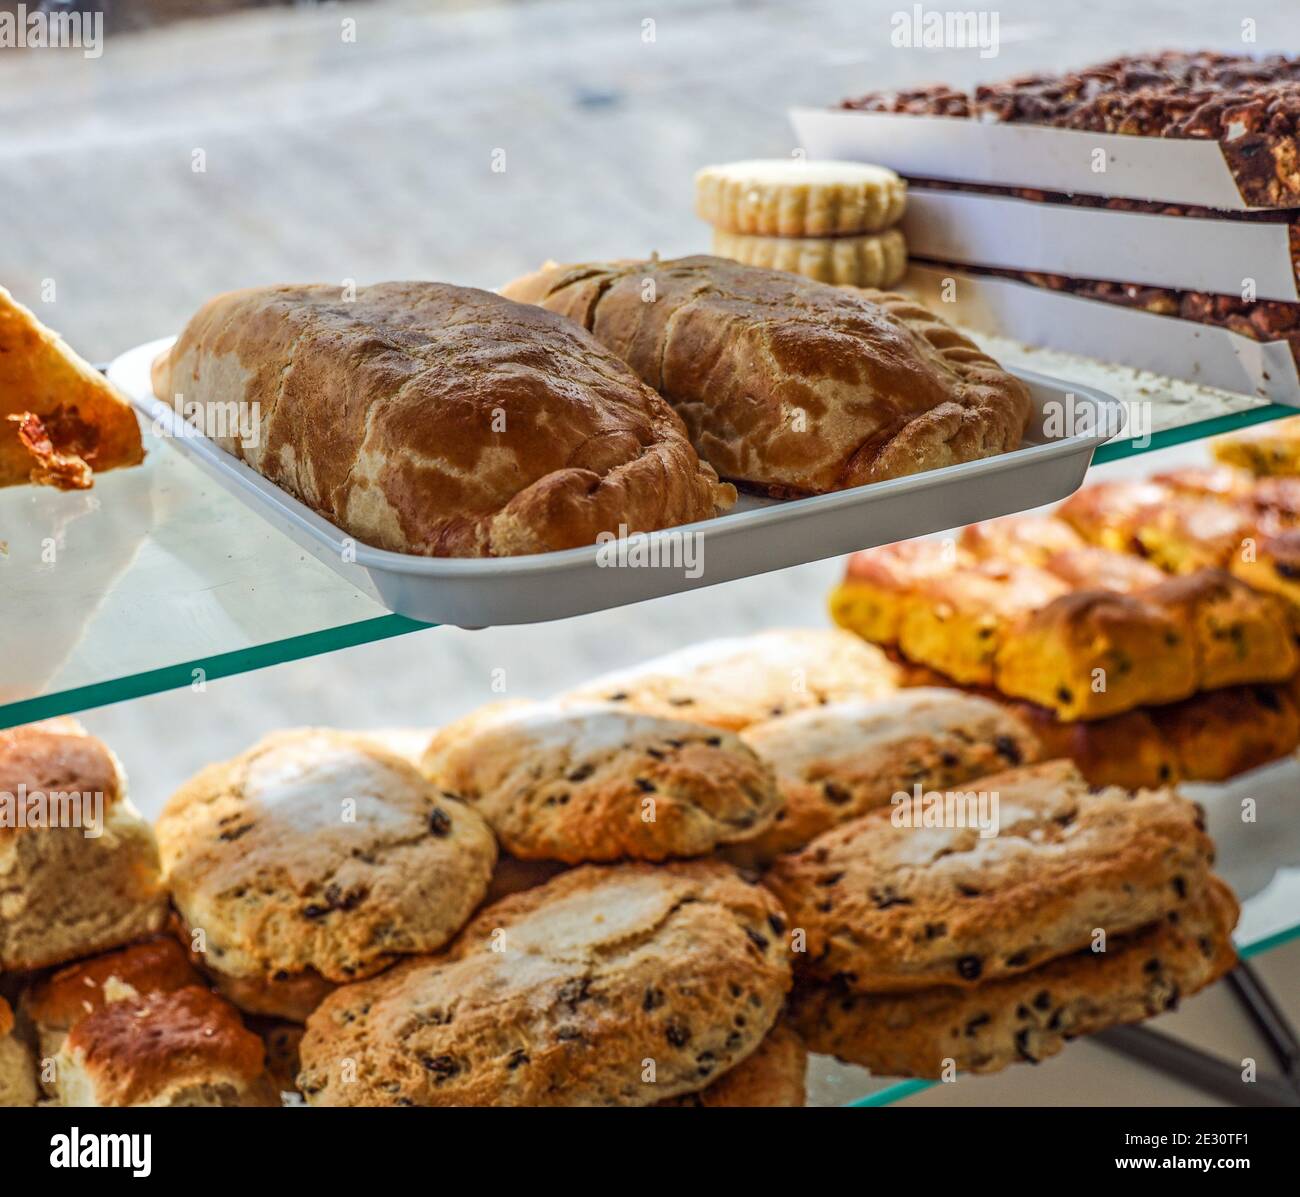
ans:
x=156 y=578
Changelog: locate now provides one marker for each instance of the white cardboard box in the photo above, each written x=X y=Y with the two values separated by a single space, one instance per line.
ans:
x=1200 y=353
x=1185 y=252
x=1175 y=170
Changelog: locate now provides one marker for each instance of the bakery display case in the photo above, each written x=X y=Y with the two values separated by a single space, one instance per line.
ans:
x=847 y=661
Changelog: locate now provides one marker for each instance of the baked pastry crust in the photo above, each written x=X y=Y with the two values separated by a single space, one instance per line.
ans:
x=314 y=859
x=17 y=1068
x=590 y=782
x=836 y=762
x=888 y=908
x=734 y=682
x=960 y=622
x=787 y=386
x=878 y=583
x=1031 y=1016
x=1092 y=653
x=54 y=1004
x=60 y=419
x=66 y=893
x=184 y=1048
x=861 y=260
x=562 y=994
x=438 y=420
x=773 y=1075
x=1178 y=532
x=787 y=197
x=1266 y=449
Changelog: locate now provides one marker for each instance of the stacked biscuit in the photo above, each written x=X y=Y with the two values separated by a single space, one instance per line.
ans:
x=831 y=221
x=342 y=925
x=1147 y=629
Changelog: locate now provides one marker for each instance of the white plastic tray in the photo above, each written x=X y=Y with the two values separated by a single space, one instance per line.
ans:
x=754 y=537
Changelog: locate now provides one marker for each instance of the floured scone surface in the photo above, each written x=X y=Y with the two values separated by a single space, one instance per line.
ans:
x=893 y=907
x=438 y=420
x=621 y=985
x=788 y=386
x=734 y=682
x=592 y=782
x=315 y=858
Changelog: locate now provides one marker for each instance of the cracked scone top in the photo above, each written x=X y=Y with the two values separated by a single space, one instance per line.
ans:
x=791 y=387
x=315 y=858
x=438 y=420
x=619 y=985
x=888 y=908
x=592 y=782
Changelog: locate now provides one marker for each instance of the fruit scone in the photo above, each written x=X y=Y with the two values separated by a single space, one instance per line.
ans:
x=1030 y=1016
x=1176 y=530
x=313 y=859
x=1030 y=875
x=583 y=782
x=618 y=985
x=733 y=682
x=1211 y=736
x=17 y=1066
x=139 y=1026
x=837 y=762
x=79 y=867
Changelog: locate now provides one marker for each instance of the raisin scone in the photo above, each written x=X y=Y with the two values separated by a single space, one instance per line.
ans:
x=888 y=907
x=791 y=387
x=773 y=1075
x=54 y=1004
x=314 y=859
x=618 y=985
x=438 y=420
x=734 y=682
x=837 y=762
x=591 y=782
x=92 y=882
x=790 y=197
x=1030 y=1016
x=184 y=1048
x=17 y=1067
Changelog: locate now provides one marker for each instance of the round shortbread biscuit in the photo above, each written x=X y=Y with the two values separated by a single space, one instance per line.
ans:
x=1030 y=1016
x=790 y=197
x=314 y=859
x=890 y=903
x=620 y=985
x=858 y=260
x=595 y=782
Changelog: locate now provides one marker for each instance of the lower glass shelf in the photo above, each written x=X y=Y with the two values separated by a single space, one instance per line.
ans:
x=156 y=579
